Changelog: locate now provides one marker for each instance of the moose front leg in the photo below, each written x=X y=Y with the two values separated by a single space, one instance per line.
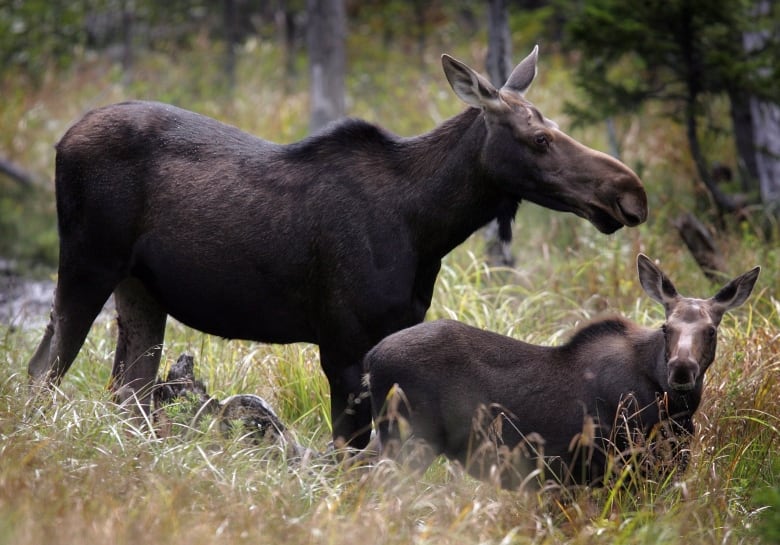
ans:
x=350 y=405
x=141 y=330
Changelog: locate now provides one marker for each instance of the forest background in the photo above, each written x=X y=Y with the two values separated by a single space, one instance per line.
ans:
x=685 y=92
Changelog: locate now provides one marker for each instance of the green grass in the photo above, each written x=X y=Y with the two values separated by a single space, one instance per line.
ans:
x=78 y=470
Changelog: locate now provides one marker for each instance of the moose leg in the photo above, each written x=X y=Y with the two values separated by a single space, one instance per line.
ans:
x=77 y=302
x=40 y=365
x=350 y=406
x=141 y=325
x=392 y=415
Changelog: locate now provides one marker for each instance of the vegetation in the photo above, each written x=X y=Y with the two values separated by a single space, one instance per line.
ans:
x=76 y=469
x=685 y=55
x=80 y=470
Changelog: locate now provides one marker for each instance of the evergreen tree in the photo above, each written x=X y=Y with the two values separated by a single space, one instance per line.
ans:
x=682 y=52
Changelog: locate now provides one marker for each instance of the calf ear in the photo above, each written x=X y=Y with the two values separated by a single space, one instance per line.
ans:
x=735 y=292
x=655 y=282
x=470 y=87
x=524 y=73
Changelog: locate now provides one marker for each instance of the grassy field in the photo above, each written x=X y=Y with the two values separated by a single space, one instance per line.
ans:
x=75 y=469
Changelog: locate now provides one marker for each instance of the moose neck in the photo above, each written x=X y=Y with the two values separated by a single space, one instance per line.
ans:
x=450 y=195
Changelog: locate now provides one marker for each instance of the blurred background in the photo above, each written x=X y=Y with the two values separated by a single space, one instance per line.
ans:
x=685 y=92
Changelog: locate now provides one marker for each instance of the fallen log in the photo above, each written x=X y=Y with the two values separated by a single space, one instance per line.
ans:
x=248 y=414
x=702 y=246
x=16 y=173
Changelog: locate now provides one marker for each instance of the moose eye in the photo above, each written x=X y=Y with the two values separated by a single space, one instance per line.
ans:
x=541 y=140
x=711 y=331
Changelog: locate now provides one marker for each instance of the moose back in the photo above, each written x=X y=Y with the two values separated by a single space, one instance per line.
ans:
x=507 y=408
x=335 y=240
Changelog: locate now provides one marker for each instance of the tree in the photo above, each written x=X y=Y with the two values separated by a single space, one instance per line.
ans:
x=286 y=16
x=682 y=52
x=230 y=21
x=327 y=29
x=499 y=53
x=498 y=233
x=37 y=34
x=765 y=117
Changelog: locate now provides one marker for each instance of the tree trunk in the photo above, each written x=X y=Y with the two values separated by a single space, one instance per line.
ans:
x=498 y=233
x=724 y=203
x=766 y=131
x=499 y=53
x=742 y=121
x=612 y=138
x=230 y=21
x=128 y=17
x=327 y=30
x=420 y=28
x=765 y=116
x=285 y=27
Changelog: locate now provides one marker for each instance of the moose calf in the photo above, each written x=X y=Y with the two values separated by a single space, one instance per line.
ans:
x=512 y=410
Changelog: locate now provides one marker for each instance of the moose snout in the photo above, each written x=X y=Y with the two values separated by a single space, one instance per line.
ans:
x=683 y=373
x=626 y=193
x=632 y=203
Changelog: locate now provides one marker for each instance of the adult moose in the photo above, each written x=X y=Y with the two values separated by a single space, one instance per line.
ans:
x=466 y=392
x=335 y=240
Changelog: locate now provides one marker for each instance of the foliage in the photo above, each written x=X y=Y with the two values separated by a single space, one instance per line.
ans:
x=35 y=34
x=768 y=526
x=27 y=230
x=667 y=50
x=38 y=34
x=686 y=55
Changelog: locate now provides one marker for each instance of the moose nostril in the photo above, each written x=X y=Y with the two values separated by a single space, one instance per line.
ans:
x=631 y=219
x=633 y=212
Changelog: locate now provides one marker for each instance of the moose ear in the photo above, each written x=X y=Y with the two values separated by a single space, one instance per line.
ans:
x=735 y=292
x=470 y=87
x=655 y=282
x=524 y=73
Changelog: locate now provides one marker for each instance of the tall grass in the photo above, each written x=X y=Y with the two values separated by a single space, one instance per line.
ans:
x=79 y=470
x=76 y=469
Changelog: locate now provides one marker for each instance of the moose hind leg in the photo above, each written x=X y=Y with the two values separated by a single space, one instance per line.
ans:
x=77 y=302
x=141 y=330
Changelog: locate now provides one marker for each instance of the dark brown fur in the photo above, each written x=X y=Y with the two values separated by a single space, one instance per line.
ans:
x=488 y=400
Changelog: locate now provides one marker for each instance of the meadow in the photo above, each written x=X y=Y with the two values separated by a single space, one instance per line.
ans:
x=76 y=469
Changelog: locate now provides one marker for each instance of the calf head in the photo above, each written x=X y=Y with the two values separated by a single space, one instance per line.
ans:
x=691 y=326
